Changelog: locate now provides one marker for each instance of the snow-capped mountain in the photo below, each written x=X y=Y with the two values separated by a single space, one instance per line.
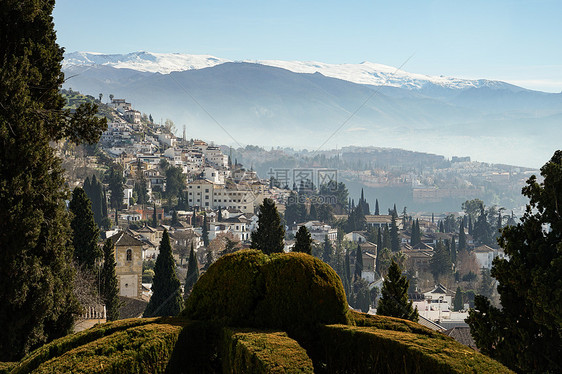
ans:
x=364 y=73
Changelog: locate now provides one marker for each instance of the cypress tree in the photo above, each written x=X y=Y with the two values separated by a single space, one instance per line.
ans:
x=175 y=219
x=347 y=274
x=154 y=216
x=394 y=239
x=166 y=297
x=85 y=231
x=192 y=273
x=110 y=288
x=303 y=242
x=457 y=301
x=327 y=250
x=394 y=300
x=36 y=275
x=358 y=262
x=440 y=263
x=268 y=238
x=377 y=211
x=379 y=252
x=462 y=238
x=219 y=216
x=453 y=251
x=205 y=231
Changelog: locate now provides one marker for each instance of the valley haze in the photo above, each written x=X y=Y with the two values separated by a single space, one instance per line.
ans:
x=320 y=106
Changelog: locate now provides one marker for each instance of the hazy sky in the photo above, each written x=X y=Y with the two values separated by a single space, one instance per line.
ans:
x=516 y=41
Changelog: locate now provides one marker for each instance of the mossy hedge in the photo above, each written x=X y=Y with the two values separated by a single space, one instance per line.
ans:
x=249 y=351
x=291 y=291
x=135 y=345
x=358 y=349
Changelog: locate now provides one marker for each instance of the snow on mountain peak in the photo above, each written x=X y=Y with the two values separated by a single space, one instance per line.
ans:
x=364 y=73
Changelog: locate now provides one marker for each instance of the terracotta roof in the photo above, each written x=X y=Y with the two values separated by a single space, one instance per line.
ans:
x=125 y=239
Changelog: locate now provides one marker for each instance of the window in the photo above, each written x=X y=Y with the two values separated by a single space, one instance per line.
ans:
x=129 y=255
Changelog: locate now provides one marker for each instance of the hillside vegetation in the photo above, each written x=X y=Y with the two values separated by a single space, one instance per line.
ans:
x=252 y=313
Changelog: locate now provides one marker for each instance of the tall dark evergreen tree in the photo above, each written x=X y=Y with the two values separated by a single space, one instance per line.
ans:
x=327 y=250
x=115 y=180
x=192 y=273
x=109 y=285
x=154 y=216
x=526 y=333
x=175 y=219
x=347 y=274
x=462 y=239
x=377 y=211
x=379 y=252
x=358 y=262
x=205 y=231
x=394 y=300
x=84 y=229
x=453 y=251
x=268 y=238
x=457 y=301
x=36 y=276
x=440 y=263
x=166 y=297
x=219 y=215
x=303 y=241
x=394 y=238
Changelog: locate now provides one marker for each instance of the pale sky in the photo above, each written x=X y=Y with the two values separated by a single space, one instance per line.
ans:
x=514 y=41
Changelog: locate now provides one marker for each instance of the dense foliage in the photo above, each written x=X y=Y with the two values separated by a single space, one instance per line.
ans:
x=394 y=301
x=35 y=237
x=268 y=238
x=85 y=232
x=303 y=241
x=192 y=272
x=166 y=297
x=526 y=333
x=110 y=287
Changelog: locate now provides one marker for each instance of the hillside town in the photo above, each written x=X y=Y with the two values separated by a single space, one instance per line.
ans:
x=153 y=181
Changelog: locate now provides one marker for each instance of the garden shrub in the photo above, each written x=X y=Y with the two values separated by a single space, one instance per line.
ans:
x=60 y=346
x=372 y=350
x=289 y=291
x=229 y=290
x=247 y=351
x=140 y=349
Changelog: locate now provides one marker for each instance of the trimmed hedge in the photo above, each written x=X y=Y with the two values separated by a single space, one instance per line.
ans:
x=369 y=350
x=292 y=291
x=134 y=345
x=62 y=345
x=247 y=351
x=5 y=367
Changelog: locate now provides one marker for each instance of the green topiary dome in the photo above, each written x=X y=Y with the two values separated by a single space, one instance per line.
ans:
x=288 y=291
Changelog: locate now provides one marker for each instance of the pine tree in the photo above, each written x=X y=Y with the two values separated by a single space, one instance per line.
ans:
x=268 y=238
x=192 y=273
x=358 y=262
x=303 y=241
x=377 y=211
x=394 y=239
x=205 y=232
x=84 y=229
x=36 y=275
x=166 y=297
x=327 y=250
x=109 y=286
x=394 y=300
x=457 y=302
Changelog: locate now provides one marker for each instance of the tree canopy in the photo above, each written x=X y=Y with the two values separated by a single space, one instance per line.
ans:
x=268 y=238
x=84 y=229
x=166 y=297
x=394 y=300
x=303 y=241
x=526 y=333
x=36 y=274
